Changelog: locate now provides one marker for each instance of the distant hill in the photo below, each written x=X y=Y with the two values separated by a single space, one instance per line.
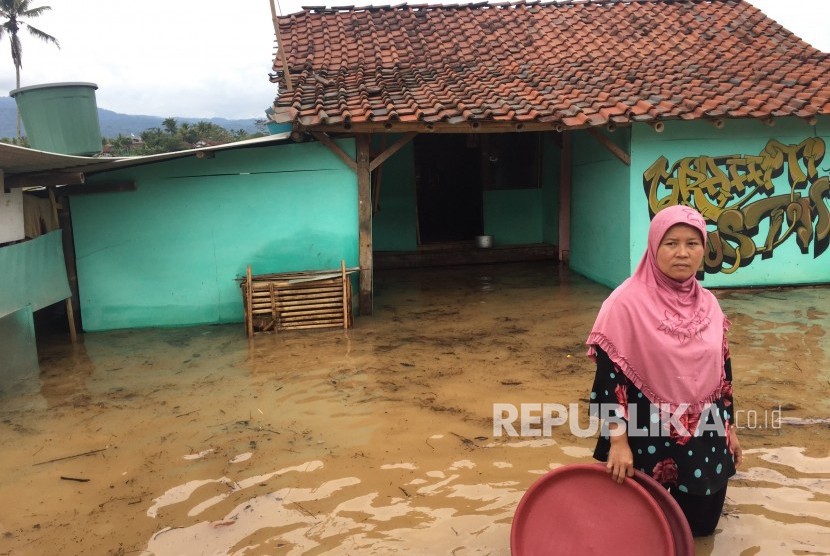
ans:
x=113 y=123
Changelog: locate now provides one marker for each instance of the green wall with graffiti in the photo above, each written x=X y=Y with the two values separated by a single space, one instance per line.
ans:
x=600 y=197
x=762 y=189
x=168 y=253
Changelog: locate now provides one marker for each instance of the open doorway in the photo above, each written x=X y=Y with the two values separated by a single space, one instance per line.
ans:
x=448 y=186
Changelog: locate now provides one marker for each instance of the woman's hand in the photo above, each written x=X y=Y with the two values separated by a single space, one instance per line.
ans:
x=620 y=458
x=735 y=444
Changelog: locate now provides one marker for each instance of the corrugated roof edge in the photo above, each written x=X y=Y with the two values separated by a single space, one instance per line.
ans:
x=16 y=160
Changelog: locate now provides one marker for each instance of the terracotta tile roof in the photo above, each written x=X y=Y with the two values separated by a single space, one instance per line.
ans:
x=566 y=65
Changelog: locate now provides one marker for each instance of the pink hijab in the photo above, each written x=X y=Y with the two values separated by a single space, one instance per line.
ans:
x=667 y=337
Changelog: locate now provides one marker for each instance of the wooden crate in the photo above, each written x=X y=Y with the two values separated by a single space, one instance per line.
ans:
x=297 y=300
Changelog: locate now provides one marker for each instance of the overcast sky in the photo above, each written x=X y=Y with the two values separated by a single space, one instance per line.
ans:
x=205 y=58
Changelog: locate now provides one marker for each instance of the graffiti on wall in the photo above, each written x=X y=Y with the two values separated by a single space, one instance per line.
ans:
x=747 y=218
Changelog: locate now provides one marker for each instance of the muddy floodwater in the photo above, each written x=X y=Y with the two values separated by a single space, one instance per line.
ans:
x=379 y=439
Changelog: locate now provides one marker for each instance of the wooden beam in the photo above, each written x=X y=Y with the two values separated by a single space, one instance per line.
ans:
x=69 y=259
x=335 y=148
x=396 y=146
x=565 y=174
x=280 y=50
x=364 y=212
x=606 y=142
x=249 y=307
x=444 y=127
x=70 y=315
x=89 y=189
x=45 y=180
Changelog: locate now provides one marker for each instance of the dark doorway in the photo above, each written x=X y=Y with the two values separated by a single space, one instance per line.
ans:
x=448 y=185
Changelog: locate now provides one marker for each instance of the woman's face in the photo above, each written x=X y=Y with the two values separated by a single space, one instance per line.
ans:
x=680 y=252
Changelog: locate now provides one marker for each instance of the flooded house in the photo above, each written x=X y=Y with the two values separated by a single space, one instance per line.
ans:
x=550 y=131
x=569 y=125
x=414 y=136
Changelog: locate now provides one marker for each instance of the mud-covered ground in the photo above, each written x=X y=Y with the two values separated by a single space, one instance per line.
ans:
x=380 y=439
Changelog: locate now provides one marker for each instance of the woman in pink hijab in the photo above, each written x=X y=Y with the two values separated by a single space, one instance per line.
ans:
x=663 y=384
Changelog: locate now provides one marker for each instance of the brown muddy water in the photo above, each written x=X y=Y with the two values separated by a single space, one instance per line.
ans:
x=380 y=439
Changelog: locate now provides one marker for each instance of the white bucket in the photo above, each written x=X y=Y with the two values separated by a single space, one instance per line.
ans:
x=484 y=242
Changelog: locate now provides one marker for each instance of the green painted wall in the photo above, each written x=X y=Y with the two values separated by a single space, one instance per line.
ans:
x=743 y=141
x=394 y=225
x=18 y=362
x=600 y=194
x=168 y=253
x=513 y=216
x=33 y=273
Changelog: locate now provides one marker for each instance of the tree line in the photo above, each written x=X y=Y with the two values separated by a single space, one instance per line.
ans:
x=173 y=136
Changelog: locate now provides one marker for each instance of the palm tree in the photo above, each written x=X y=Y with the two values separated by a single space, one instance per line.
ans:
x=12 y=11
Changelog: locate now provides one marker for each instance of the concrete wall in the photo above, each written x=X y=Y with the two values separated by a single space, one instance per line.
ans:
x=600 y=197
x=744 y=178
x=168 y=253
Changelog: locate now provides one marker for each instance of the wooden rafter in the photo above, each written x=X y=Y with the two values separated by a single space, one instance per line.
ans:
x=335 y=148
x=396 y=146
x=280 y=50
x=606 y=142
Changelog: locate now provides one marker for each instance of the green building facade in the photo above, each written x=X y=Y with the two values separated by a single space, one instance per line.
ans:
x=170 y=252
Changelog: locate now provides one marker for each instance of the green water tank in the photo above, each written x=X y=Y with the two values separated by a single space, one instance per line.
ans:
x=60 y=117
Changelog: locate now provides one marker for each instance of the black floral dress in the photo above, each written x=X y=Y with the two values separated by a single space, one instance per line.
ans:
x=695 y=458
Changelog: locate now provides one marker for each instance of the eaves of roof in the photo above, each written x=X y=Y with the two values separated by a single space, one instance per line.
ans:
x=558 y=65
x=16 y=160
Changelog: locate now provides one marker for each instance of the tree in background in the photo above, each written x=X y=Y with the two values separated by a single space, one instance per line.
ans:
x=12 y=11
x=19 y=141
x=169 y=125
x=176 y=137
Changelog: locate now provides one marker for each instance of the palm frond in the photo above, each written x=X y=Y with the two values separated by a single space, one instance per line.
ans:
x=35 y=12
x=45 y=37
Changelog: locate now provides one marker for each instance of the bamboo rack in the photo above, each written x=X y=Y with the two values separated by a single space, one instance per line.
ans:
x=297 y=300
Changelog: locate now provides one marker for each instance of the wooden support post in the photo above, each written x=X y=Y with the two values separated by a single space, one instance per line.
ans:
x=274 y=312
x=364 y=211
x=346 y=307
x=70 y=313
x=69 y=259
x=249 y=309
x=565 y=174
